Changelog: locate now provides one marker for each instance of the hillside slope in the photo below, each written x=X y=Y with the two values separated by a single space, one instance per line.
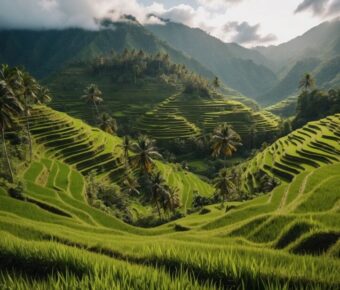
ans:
x=88 y=149
x=288 y=238
x=310 y=147
x=242 y=69
x=33 y=49
x=322 y=41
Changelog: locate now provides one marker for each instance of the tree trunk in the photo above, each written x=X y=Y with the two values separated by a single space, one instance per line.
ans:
x=158 y=209
x=28 y=130
x=29 y=137
x=6 y=153
x=97 y=111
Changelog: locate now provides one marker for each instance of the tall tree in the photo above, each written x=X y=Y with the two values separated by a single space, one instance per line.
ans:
x=10 y=108
x=29 y=90
x=44 y=95
x=145 y=152
x=126 y=146
x=108 y=124
x=130 y=185
x=216 y=83
x=224 y=185
x=171 y=199
x=307 y=82
x=158 y=191
x=224 y=141
x=93 y=95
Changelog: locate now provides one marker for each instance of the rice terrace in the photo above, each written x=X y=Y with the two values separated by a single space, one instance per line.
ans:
x=169 y=144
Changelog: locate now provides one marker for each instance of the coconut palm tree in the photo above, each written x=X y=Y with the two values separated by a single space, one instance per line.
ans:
x=92 y=95
x=130 y=185
x=10 y=107
x=224 y=141
x=171 y=199
x=216 y=83
x=108 y=124
x=29 y=90
x=43 y=95
x=126 y=146
x=158 y=191
x=224 y=185
x=307 y=82
x=145 y=153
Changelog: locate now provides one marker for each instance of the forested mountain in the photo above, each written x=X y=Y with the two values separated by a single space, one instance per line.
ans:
x=322 y=41
x=45 y=51
x=317 y=52
x=240 y=68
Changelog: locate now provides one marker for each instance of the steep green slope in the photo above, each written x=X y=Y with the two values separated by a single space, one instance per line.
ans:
x=89 y=149
x=314 y=145
x=285 y=108
x=157 y=107
x=123 y=100
x=33 y=49
x=186 y=116
x=321 y=42
x=257 y=243
x=240 y=68
x=290 y=83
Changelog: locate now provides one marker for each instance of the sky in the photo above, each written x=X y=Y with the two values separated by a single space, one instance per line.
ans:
x=247 y=22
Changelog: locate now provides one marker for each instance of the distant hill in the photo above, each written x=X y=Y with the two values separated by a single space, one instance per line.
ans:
x=45 y=51
x=290 y=83
x=317 y=52
x=322 y=41
x=240 y=68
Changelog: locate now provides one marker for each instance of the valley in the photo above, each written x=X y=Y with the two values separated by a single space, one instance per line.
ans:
x=155 y=155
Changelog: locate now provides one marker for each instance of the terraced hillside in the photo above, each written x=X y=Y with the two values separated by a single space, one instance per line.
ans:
x=88 y=149
x=286 y=108
x=185 y=116
x=314 y=145
x=254 y=245
x=124 y=101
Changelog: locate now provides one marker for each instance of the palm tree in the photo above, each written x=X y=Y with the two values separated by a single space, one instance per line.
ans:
x=145 y=153
x=108 y=124
x=130 y=185
x=93 y=96
x=216 y=83
x=43 y=95
x=29 y=90
x=158 y=191
x=126 y=146
x=10 y=107
x=171 y=199
x=224 y=185
x=307 y=82
x=225 y=141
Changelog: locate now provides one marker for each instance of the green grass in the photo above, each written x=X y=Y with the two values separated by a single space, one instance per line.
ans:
x=287 y=239
x=302 y=151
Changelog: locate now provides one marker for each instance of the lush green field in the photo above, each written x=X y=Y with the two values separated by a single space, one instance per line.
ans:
x=159 y=108
x=287 y=239
x=62 y=138
x=185 y=116
x=314 y=145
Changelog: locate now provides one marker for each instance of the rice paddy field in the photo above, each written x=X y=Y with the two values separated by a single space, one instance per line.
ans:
x=300 y=152
x=287 y=239
x=160 y=109
x=185 y=116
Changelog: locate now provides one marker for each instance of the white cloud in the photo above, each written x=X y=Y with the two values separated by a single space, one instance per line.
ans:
x=275 y=17
x=318 y=7
x=245 y=33
x=67 y=13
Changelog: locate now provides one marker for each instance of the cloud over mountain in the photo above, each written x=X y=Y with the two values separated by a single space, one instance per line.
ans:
x=246 y=33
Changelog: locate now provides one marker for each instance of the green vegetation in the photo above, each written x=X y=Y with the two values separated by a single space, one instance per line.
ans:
x=314 y=145
x=107 y=201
